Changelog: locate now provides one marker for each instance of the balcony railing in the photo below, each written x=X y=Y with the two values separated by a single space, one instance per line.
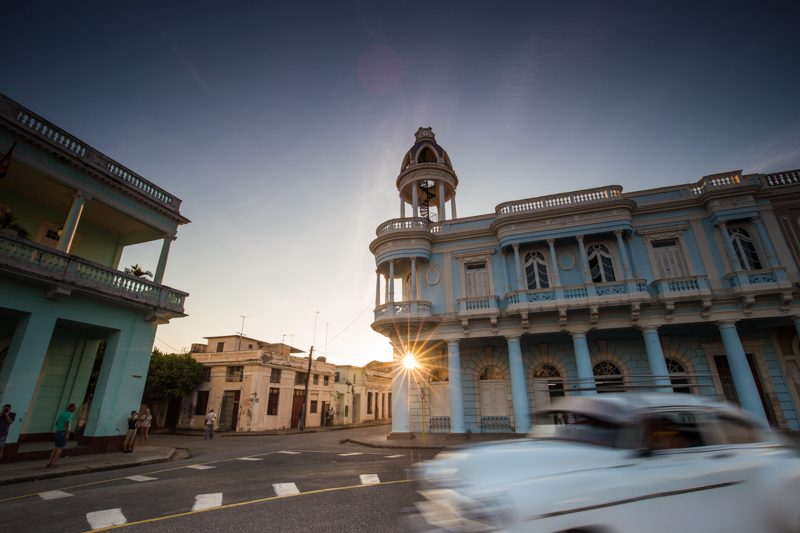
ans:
x=759 y=280
x=480 y=305
x=684 y=287
x=402 y=225
x=779 y=179
x=52 y=266
x=55 y=136
x=403 y=310
x=597 y=293
x=440 y=424
x=558 y=201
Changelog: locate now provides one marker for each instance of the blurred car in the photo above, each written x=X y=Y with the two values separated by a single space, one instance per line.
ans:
x=640 y=463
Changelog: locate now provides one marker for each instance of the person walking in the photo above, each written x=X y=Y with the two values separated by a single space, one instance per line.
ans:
x=130 y=436
x=211 y=418
x=145 y=419
x=7 y=417
x=61 y=435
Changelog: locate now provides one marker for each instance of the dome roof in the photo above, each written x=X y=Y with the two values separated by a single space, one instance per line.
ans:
x=425 y=151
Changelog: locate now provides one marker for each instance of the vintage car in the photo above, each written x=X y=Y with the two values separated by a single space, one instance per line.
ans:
x=607 y=463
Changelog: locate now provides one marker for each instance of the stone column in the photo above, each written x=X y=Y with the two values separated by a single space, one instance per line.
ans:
x=442 y=203
x=519 y=391
x=414 y=200
x=453 y=214
x=518 y=268
x=743 y=379
x=655 y=356
x=583 y=361
x=391 y=280
x=71 y=223
x=623 y=253
x=456 y=393
x=402 y=206
x=400 y=410
x=377 y=288
x=730 y=251
x=554 y=262
x=413 y=295
x=162 y=259
x=584 y=260
x=766 y=242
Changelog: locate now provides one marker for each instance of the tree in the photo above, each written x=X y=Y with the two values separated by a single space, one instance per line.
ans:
x=171 y=376
x=139 y=272
x=8 y=222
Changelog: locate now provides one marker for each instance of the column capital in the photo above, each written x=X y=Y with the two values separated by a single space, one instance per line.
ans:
x=513 y=338
x=551 y=242
x=722 y=224
x=648 y=329
x=726 y=324
x=515 y=246
x=171 y=236
x=453 y=342
x=619 y=232
x=577 y=334
x=81 y=195
x=579 y=237
x=756 y=218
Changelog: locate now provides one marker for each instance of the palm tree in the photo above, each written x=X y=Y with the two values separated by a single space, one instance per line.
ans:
x=8 y=222
x=139 y=272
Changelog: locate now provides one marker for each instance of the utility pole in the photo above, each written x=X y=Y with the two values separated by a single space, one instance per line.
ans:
x=241 y=332
x=302 y=424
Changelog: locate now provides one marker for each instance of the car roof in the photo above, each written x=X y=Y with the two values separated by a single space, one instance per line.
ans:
x=624 y=407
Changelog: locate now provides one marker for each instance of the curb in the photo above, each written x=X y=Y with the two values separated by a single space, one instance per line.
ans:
x=395 y=446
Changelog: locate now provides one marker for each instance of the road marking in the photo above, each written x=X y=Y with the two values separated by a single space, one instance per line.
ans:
x=250 y=502
x=54 y=494
x=207 y=501
x=395 y=456
x=369 y=479
x=349 y=454
x=289 y=453
x=250 y=459
x=106 y=518
x=141 y=478
x=200 y=467
x=285 y=489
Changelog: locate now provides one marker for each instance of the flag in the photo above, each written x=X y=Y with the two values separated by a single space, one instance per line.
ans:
x=6 y=160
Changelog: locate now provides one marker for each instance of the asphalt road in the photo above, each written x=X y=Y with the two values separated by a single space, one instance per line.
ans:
x=309 y=482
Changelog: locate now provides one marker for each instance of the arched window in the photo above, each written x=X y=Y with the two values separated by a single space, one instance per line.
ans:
x=549 y=373
x=490 y=373
x=745 y=248
x=608 y=377
x=678 y=376
x=426 y=156
x=536 y=270
x=600 y=264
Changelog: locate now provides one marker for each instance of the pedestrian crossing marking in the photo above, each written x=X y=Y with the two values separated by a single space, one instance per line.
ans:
x=200 y=467
x=349 y=454
x=54 y=494
x=106 y=518
x=395 y=456
x=250 y=459
x=207 y=501
x=285 y=489
x=369 y=479
x=289 y=452
x=141 y=478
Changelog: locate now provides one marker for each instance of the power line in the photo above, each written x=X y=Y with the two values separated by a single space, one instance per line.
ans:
x=351 y=323
x=174 y=349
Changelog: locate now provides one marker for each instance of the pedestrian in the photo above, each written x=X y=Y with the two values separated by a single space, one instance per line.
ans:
x=7 y=417
x=61 y=435
x=329 y=416
x=211 y=418
x=130 y=436
x=145 y=419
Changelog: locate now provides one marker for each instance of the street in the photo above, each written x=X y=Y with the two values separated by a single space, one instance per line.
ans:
x=309 y=482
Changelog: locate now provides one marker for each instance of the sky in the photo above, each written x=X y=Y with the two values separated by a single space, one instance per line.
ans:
x=282 y=127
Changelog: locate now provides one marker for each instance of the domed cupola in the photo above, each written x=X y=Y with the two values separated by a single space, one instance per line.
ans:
x=427 y=179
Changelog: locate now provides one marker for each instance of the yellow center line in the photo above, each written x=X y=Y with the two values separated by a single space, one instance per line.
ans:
x=248 y=502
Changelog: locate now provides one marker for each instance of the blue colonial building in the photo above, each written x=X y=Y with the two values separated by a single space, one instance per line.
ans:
x=74 y=327
x=691 y=288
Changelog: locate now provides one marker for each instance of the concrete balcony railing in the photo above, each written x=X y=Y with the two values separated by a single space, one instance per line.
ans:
x=413 y=309
x=402 y=225
x=67 y=272
x=595 y=294
x=559 y=201
x=481 y=305
x=685 y=288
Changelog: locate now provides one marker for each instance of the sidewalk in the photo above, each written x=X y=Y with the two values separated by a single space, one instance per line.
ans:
x=285 y=431
x=32 y=470
x=432 y=441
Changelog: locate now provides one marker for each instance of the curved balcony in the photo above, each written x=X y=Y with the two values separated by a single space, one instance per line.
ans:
x=392 y=315
x=402 y=237
x=402 y=225
x=559 y=201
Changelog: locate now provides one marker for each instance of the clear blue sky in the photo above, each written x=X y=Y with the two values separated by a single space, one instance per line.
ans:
x=282 y=127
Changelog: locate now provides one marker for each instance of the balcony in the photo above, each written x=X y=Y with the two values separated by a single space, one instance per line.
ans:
x=672 y=290
x=478 y=307
x=559 y=201
x=65 y=273
x=402 y=225
x=751 y=283
x=409 y=313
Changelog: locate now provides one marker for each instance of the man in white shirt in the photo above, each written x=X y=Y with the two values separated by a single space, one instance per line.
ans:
x=211 y=418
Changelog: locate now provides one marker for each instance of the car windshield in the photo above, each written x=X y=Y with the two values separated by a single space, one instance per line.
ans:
x=570 y=426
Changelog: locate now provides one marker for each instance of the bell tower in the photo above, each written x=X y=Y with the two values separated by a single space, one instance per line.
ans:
x=427 y=180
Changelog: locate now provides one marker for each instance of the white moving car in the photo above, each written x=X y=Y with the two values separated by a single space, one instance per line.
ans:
x=639 y=463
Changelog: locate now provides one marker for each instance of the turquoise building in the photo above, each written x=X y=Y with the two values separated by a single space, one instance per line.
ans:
x=689 y=288
x=74 y=327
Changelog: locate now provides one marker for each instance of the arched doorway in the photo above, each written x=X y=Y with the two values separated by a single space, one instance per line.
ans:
x=493 y=397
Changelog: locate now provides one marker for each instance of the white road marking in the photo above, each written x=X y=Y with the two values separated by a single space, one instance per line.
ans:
x=369 y=479
x=349 y=454
x=250 y=459
x=285 y=489
x=54 y=494
x=207 y=501
x=289 y=453
x=141 y=478
x=395 y=456
x=200 y=467
x=106 y=518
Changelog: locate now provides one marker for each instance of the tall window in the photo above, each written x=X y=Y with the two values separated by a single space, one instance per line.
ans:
x=234 y=373
x=315 y=378
x=678 y=376
x=326 y=380
x=313 y=407
x=275 y=375
x=272 y=402
x=336 y=377
x=206 y=374
x=369 y=403
x=600 y=264
x=745 y=248
x=300 y=378
x=669 y=259
x=550 y=374
x=536 y=270
x=477 y=280
x=220 y=346
x=201 y=406
x=608 y=377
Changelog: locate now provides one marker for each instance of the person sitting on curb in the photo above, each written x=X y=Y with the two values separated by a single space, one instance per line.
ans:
x=130 y=436
x=6 y=419
x=61 y=435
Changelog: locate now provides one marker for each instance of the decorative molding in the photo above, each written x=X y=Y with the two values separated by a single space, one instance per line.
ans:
x=566 y=260
x=432 y=275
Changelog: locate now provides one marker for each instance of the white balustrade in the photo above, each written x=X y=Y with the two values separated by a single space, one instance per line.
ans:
x=556 y=201
x=406 y=309
x=402 y=224
x=779 y=179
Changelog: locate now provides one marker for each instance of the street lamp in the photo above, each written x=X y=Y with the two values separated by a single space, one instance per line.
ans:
x=409 y=361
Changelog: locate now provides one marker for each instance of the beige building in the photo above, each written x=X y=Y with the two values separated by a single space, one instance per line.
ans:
x=363 y=393
x=254 y=385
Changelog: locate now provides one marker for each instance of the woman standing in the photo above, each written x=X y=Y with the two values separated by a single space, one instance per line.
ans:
x=130 y=437
x=145 y=419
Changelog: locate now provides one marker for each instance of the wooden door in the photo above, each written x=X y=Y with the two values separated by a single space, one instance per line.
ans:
x=493 y=398
x=297 y=407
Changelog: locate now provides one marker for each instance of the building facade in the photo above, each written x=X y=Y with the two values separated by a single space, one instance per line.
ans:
x=687 y=288
x=75 y=328
x=254 y=385
x=363 y=394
